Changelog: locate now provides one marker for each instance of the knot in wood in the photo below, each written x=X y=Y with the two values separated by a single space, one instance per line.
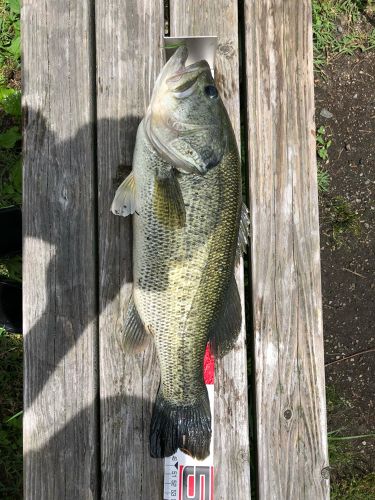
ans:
x=288 y=414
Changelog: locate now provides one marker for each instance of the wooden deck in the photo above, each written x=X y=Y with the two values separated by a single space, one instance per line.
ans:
x=88 y=72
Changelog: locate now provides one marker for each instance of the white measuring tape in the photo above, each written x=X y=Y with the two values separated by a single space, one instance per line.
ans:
x=186 y=478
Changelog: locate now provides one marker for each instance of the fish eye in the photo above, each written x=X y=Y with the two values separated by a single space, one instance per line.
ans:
x=211 y=91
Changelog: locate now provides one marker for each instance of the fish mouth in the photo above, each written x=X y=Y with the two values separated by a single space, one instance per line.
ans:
x=176 y=67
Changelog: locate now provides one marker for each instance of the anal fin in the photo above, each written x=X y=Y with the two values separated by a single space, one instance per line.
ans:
x=227 y=326
x=134 y=337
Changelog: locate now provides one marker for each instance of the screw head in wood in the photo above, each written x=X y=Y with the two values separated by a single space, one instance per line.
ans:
x=325 y=472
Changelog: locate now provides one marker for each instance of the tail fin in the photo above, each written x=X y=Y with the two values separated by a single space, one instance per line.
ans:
x=186 y=427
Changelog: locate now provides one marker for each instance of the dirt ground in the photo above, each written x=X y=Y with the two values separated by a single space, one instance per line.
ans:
x=347 y=91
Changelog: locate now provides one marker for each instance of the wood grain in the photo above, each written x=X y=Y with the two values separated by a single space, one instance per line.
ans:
x=231 y=446
x=286 y=289
x=59 y=277
x=129 y=57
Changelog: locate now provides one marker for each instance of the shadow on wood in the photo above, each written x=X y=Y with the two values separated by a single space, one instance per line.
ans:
x=55 y=454
x=54 y=335
x=61 y=314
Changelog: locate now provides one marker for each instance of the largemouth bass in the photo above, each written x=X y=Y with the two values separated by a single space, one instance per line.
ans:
x=189 y=224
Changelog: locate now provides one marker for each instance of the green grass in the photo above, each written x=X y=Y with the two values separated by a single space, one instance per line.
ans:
x=343 y=220
x=11 y=375
x=342 y=461
x=323 y=143
x=10 y=104
x=10 y=178
x=10 y=40
x=11 y=268
x=323 y=180
x=334 y=401
x=349 y=480
x=360 y=488
x=10 y=147
x=340 y=27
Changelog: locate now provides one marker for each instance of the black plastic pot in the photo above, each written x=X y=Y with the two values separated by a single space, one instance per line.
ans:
x=11 y=306
x=10 y=291
x=10 y=230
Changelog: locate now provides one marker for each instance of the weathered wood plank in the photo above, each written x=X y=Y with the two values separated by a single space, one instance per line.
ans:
x=290 y=398
x=231 y=447
x=129 y=57
x=59 y=284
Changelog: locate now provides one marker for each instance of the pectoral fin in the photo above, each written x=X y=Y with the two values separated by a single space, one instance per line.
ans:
x=227 y=326
x=168 y=203
x=124 y=202
x=134 y=337
x=244 y=233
